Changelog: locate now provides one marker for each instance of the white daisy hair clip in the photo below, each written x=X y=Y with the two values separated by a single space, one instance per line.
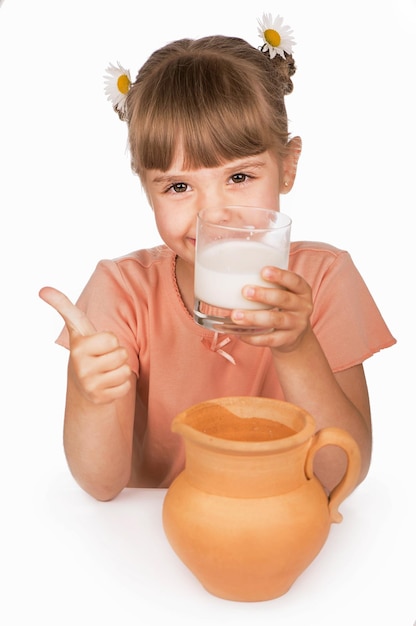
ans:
x=117 y=86
x=277 y=39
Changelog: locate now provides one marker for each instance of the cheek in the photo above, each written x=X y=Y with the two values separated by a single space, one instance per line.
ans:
x=162 y=222
x=170 y=223
x=268 y=199
x=273 y=192
x=273 y=201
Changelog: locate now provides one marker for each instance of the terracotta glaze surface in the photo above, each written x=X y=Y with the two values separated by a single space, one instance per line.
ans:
x=247 y=515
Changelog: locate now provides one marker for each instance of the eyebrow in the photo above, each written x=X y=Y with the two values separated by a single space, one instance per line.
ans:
x=254 y=162
x=167 y=178
x=172 y=177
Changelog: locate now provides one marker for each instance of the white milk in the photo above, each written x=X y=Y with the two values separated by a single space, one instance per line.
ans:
x=222 y=269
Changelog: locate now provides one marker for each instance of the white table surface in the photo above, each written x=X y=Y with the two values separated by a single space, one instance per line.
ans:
x=69 y=559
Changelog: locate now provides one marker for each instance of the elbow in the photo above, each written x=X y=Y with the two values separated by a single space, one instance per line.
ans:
x=101 y=490
x=104 y=495
x=331 y=463
x=366 y=449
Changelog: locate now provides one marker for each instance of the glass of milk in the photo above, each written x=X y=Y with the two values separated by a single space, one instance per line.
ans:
x=233 y=245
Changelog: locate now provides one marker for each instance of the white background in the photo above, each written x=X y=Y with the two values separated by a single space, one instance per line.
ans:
x=68 y=198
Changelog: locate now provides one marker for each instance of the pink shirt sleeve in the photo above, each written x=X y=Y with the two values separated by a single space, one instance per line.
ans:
x=346 y=319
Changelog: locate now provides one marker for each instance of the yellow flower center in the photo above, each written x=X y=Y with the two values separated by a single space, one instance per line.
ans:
x=123 y=84
x=272 y=37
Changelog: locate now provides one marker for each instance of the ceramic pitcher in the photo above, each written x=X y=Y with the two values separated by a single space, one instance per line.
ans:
x=247 y=514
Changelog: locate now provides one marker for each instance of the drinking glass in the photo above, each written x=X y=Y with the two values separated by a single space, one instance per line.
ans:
x=233 y=245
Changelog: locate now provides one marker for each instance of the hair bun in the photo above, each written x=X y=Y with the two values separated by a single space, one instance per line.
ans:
x=283 y=68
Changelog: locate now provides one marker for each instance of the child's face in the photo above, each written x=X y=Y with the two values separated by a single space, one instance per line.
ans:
x=176 y=196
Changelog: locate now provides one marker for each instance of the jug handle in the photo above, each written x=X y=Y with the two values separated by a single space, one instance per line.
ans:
x=337 y=437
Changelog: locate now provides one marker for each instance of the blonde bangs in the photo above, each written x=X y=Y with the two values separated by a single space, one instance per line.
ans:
x=206 y=139
x=204 y=104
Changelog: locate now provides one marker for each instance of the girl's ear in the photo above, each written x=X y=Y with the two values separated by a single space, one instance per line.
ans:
x=290 y=164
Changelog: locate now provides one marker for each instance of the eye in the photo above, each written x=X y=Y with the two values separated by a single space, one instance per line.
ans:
x=178 y=187
x=239 y=178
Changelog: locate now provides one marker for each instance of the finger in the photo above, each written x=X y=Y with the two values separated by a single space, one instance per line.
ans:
x=286 y=279
x=265 y=318
x=75 y=319
x=275 y=297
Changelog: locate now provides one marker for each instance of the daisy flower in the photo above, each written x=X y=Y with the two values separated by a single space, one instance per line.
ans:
x=117 y=85
x=276 y=37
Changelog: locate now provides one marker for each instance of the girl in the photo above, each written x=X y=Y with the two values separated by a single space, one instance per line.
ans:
x=207 y=126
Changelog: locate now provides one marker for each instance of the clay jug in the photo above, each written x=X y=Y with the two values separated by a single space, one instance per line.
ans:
x=247 y=515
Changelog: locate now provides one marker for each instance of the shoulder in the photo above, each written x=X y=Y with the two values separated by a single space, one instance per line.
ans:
x=322 y=264
x=317 y=249
x=146 y=258
x=312 y=259
x=133 y=275
x=138 y=264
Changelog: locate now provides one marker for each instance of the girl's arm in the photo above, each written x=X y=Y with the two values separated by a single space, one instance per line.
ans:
x=100 y=403
x=98 y=440
x=339 y=399
x=304 y=373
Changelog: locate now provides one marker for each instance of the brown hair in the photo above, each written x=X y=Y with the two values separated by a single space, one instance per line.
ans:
x=218 y=98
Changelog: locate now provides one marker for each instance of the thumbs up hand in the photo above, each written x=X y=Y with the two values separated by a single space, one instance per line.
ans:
x=98 y=364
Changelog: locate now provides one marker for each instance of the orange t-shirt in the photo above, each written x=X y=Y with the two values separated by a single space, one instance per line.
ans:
x=178 y=363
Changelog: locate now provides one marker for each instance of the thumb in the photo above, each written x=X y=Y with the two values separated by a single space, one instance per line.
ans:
x=75 y=319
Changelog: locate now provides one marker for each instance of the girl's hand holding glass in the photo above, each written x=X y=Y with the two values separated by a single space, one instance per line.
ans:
x=290 y=299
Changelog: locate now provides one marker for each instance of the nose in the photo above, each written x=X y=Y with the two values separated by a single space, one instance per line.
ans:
x=212 y=197
x=217 y=215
